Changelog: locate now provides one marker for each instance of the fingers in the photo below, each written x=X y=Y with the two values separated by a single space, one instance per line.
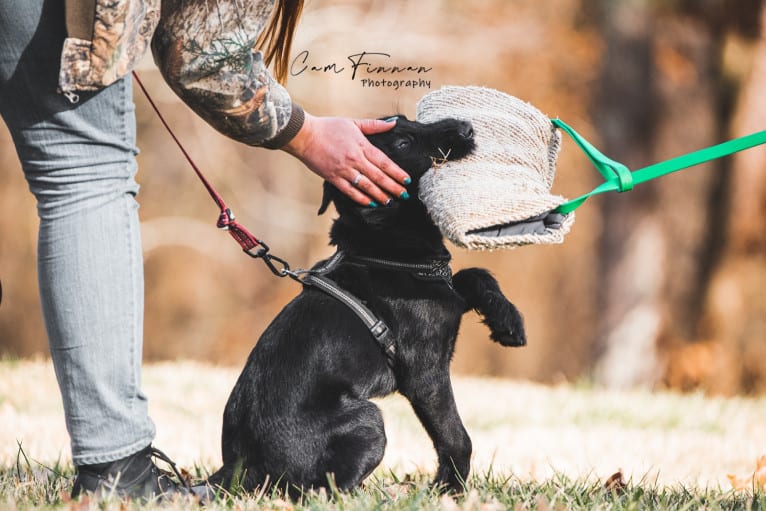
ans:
x=356 y=194
x=377 y=184
x=337 y=150
x=373 y=126
x=376 y=156
x=392 y=175
x=371 y=190
x=378 y=178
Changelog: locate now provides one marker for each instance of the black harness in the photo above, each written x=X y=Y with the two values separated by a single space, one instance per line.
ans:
x=435 y=270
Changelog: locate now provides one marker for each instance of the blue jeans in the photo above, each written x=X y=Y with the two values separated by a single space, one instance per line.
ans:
x=79 y=161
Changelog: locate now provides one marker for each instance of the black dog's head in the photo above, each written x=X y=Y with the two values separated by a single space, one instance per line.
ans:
x=415 y=146
x=403 y=229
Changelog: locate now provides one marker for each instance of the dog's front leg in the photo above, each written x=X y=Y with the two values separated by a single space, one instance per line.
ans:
x=434 y=404
x=482 y=293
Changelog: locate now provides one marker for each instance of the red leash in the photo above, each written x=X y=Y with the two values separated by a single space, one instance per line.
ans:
x=251 y=245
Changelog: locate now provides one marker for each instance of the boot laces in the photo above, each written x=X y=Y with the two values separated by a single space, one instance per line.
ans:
x=153 y=451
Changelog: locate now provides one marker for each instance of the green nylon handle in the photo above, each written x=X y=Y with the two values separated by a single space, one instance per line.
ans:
x=607 y=166
x=620 y=178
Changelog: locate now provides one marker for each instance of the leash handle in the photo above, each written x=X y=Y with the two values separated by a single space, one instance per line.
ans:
x=226 y=220
x=619 y=178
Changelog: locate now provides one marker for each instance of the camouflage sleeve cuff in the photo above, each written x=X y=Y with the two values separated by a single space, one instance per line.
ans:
x=288 y=133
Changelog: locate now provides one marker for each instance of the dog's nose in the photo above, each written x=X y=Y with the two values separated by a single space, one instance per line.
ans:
x=465 y=131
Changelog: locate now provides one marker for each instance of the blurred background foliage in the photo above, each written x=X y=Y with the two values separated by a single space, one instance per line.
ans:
x=663 y=286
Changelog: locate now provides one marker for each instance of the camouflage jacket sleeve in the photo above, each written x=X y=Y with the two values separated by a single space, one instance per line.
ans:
x=205 y=50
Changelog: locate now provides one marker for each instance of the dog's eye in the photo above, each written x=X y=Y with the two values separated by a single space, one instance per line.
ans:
x=402 y=144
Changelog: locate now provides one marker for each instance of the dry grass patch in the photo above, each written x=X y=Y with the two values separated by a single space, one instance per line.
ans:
x=523 y=434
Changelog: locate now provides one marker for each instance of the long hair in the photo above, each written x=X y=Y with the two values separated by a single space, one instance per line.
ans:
x=277 y=37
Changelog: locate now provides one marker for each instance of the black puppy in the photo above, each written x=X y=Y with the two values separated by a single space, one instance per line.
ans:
x=300 y=411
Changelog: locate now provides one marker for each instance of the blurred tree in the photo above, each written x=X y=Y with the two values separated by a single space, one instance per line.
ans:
x=663 y=92
x=734 y=320
x=623 y=110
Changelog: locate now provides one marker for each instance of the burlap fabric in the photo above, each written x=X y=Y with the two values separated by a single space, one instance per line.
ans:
x=505 y=182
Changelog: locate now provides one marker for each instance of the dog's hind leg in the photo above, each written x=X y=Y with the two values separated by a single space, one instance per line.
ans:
x=356 y=443
x=430 y=394
x=236 y=477
x=482 y=293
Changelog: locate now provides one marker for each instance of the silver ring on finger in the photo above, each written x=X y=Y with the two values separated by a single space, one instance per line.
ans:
x=358 y=178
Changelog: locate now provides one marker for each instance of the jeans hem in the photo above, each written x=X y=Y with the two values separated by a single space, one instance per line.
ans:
x=123 y=452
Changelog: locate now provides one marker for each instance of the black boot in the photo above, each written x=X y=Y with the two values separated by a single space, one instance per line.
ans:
x=135 y=476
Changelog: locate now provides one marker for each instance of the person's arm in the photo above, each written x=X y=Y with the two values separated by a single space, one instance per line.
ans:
x=205 y=51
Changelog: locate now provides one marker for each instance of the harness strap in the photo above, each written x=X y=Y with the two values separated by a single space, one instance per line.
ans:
x=377 y=327
x=619 y=178
x=437 y=269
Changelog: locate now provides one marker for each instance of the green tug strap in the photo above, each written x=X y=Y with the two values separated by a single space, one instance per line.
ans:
x=619 y=177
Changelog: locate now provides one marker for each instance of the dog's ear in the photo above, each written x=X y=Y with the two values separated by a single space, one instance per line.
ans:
x=326 y=197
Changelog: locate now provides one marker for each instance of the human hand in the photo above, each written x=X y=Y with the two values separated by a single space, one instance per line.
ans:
x=335 y=149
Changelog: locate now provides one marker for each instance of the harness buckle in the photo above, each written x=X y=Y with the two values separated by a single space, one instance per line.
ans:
x=379 y=330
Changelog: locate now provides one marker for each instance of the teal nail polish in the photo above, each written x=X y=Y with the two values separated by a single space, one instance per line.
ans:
x=404 y=195
x=407 y=180
x=373 y=204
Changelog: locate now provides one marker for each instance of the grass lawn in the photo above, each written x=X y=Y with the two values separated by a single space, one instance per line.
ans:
x=535 y=447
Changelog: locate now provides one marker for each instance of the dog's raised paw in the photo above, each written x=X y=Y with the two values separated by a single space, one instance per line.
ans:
x=511 y=333
x=512 y=339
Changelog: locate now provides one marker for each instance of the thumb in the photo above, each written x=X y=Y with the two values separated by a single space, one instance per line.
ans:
x=373 y=126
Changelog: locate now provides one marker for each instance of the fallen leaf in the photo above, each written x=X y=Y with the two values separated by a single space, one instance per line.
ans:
x=187 y=477
x=739 y=483
x=81 y=503
x=615 y=483
x=757 y=480
x=397 y=490
x=280 y=505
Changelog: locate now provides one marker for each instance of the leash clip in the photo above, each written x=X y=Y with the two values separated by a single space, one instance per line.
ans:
x=280 y=269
